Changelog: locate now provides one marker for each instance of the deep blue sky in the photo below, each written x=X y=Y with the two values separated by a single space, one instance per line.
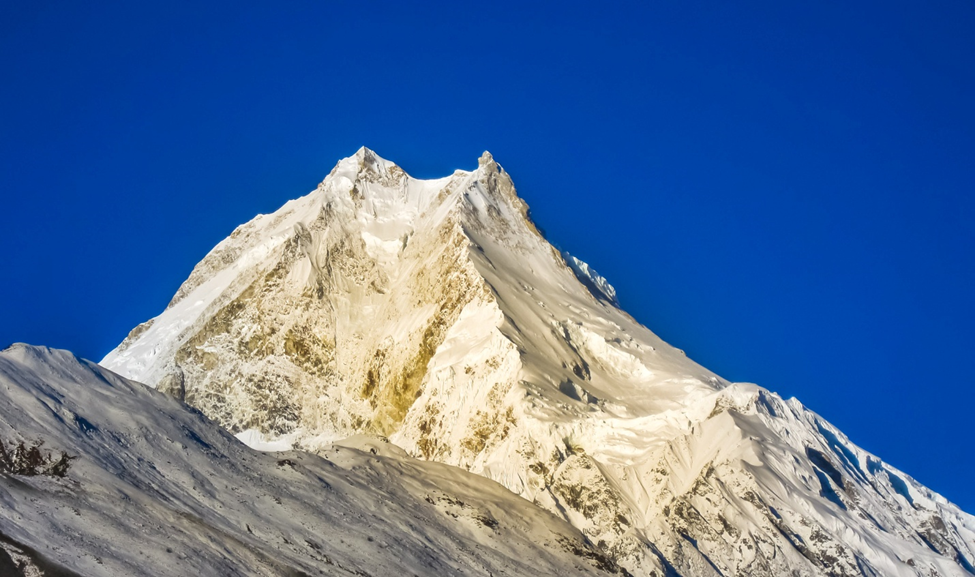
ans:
x=785 y=192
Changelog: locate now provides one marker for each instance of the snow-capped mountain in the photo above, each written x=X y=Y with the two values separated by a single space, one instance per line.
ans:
x=434 y=313
x=158 y=489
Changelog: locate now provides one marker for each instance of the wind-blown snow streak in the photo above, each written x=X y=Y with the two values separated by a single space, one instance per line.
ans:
x=158 y=489
x=435 y=313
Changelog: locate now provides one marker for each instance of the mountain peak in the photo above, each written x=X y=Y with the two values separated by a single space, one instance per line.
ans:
x=364 y=164
x=486 y=159
x=368 y=164
x=367 y=155
x=433 y=313
x=364 y=150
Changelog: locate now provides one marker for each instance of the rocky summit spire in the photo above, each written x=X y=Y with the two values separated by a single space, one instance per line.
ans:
x=432 y=312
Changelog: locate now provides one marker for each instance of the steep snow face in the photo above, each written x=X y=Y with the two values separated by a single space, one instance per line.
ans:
x=596 y=284
x=157 y=489
x=434 y=313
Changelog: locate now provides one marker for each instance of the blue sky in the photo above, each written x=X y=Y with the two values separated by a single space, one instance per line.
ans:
x=784 y=191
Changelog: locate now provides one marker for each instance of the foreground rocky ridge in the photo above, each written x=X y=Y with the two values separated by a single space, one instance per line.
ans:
x=434 y=313
x=158 y=489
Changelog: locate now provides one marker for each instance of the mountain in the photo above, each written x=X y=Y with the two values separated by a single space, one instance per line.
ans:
x=155 y=488
x=435 y=314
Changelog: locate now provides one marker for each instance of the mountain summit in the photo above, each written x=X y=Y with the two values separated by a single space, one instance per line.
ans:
x=434 y=313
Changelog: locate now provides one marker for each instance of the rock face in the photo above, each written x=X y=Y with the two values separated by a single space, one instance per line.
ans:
x=434 y=313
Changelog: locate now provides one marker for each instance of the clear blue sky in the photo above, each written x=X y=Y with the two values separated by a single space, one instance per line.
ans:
x=785 y=191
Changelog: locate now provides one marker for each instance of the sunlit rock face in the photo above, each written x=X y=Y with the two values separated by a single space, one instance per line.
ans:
x=434 y=313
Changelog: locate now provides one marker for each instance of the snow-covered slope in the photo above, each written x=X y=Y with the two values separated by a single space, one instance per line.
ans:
x=435 y=313
x=157 y=489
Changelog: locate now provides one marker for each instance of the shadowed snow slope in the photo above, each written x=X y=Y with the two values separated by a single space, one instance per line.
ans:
x=435 y=313
x=159 y=489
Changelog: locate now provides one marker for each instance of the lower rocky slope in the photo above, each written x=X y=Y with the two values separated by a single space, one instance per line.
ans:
x=157 y=489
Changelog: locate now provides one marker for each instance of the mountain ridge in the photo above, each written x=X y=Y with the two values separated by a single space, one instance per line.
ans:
x=434 y=312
